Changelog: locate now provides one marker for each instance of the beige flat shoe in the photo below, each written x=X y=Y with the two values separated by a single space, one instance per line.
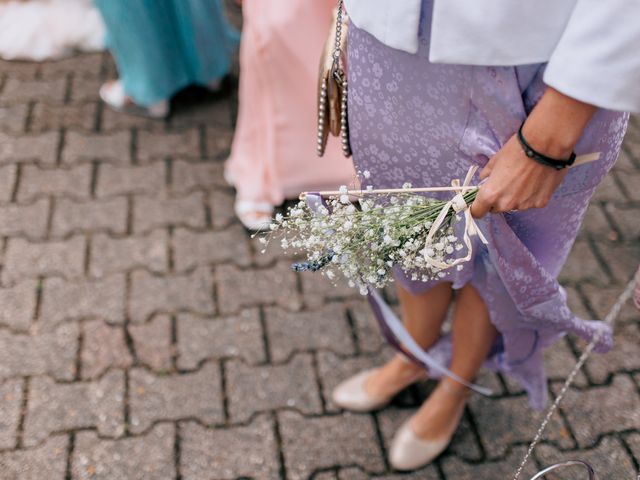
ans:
x=352 y=393
x=410 y=452
x=255 y=216
x=113 y=94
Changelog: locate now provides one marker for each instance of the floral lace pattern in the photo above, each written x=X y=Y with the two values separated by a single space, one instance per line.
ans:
x=414 y=121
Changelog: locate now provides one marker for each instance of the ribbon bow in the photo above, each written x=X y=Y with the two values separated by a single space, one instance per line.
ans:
x=458 y=204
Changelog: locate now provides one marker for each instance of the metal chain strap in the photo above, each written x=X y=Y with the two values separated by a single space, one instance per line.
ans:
x=609 y=320
x=338 y=43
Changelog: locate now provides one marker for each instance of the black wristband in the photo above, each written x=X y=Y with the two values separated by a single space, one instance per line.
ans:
x=543 y=159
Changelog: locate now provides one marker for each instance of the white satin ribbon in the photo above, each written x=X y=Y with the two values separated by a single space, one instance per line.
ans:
x=458 y=204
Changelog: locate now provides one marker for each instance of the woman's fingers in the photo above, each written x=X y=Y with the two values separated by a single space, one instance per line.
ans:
x=486 y=171
x=483 y=204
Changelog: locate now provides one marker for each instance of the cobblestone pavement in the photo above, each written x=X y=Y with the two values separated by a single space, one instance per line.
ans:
x=143 y=336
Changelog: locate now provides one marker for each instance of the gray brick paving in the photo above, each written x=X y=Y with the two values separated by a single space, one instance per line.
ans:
x=143 y=335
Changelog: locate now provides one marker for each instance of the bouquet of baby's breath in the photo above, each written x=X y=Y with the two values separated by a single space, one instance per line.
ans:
x=365 y=238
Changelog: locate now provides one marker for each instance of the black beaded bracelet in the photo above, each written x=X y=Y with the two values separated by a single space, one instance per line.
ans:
x=543 y=159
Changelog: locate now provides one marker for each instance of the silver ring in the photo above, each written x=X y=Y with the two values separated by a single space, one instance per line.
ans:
x=569 y=463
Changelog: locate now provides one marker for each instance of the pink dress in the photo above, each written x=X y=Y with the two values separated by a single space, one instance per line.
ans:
x=273 y=153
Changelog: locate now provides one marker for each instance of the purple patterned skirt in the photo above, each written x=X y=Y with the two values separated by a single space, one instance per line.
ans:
x=424 y=123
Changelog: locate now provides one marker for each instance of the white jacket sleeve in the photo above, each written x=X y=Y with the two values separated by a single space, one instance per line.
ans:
x=597 y=59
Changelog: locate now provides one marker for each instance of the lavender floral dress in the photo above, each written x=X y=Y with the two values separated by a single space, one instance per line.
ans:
x=414 y=121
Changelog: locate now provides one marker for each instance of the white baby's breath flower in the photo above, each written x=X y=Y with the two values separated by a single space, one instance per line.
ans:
x=343 y=189
x=366 y=174
x=344 y=199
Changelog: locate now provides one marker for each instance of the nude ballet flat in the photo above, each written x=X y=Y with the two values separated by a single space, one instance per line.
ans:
x=352 y=394
x=410 y=452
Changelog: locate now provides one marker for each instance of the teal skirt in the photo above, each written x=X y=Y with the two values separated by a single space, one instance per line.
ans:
x=162 y=46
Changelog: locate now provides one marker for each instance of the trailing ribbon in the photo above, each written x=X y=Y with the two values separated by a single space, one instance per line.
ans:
x=458 y=204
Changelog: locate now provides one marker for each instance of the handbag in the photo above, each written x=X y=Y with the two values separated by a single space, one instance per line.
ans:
x=333 y=88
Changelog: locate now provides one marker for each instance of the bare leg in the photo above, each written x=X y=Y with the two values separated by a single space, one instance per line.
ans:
x=423 y=316
x=473 y=335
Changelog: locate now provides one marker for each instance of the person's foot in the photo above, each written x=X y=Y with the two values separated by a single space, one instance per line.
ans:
x=423 y=437
x=373 y=389
x=113 y=94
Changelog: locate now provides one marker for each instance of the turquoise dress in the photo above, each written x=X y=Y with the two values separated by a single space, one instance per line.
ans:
x=162 y=46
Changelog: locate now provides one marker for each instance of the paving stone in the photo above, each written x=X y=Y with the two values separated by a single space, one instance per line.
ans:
x=609 y=459
x=29 y=220
x=24 y=259
x=49 y=461
x=218 y=143
x=110 y=254
x=103 y=346
x=54 y=117
x=602 y=299
x=622 y=260
x=145 y=179
x=160 y=145
x=41 y=148
x=63 y=300
x=19 y=69
x=53 y=353
x=427 y=473
x=237 y=452
x=267 y=255
x=13 y=117
x=153 y=294
x=10 y=406
x=463 y=445
x=325 y=328
x=36 y=182
x=626 y=220
x=221 y=204
x=8 y=175
x=18 y=305
x=581 y=266
x=608 y=190
x=116 y=121
x=147 y=457
x=458 y=469
x=85 y=65
x=93 y=216
x=204 y=175
x=592 y=404
x=505 y=421
x=85 y=90
x=18 y=90
x=576 y=304
x=624 y=356
x=152 y=342
x=246 y=288
x=113 y=147
x=333 y=369
x=559 y=360
x=238 y=336
x=328 y=476
x=366 y=327
x=255 y=389
x=317 y=289
x=596 y=224
x=152 y=212
x=631 y=184
x=55 y=407
x=310 y=444
x=174 y=397
x=191 y=249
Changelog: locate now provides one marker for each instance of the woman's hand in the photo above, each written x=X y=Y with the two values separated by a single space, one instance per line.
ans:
x=516 y=182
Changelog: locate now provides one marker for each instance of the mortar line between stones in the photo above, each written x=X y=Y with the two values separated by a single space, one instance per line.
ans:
x=610 y=219
x=380 y=440
x=68 y=475
x=202 y=141
x=265 y=339
x=223 y=387
x=133 y=147
x=173 y=321
x=316 y=372
x=278 y=436
x=177 y=450
x=170 y=251
x=78 y=373
x=355 y=338
x=87 y=252
x=475 y=431
x=61 y=144
x=168 y=171
x=629 y=451
x=601 y=260
x=97 y=123
x=93 y=185
x=69 y=80
x=23 y=412
x=3 y=81
x=28 y=120
x=16 y=184
x=130 y=207
x=38 y=303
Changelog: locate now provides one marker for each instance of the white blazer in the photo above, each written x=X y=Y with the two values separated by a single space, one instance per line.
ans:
x=592 y=46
